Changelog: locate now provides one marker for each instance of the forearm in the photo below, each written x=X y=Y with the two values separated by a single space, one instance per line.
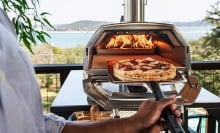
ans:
x=125 y=125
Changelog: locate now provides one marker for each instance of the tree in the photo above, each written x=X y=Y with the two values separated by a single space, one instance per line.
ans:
x=207 y=48
x=26 y=19
x=213 y=39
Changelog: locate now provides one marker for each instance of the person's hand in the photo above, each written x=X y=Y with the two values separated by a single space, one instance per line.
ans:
x=149 y=114
x=147 y=120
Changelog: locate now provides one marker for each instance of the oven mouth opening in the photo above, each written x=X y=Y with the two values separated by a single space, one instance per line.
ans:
x=133 y=42
x=133 y=39
x=129 y=41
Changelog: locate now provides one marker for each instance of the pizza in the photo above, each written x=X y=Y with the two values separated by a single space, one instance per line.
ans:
x=144 y=69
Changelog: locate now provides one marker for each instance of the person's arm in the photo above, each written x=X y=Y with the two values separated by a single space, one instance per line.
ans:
x=146 y=117
x=121 y=125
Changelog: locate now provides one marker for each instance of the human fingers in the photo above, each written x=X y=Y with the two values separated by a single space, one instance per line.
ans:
x=163 y=124
x=173 y=107
x=166 y=102
x=149 y=111
x=156 y=128
x=175 y=110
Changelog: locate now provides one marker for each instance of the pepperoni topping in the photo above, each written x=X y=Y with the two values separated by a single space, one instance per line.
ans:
x=145 y=68
x=120 y=65
x=129 y=68
x=134 y=62
x=145 y=61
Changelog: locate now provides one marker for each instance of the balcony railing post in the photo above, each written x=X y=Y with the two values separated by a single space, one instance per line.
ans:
x=63 y=76
x=185 y=118
x=211 y=125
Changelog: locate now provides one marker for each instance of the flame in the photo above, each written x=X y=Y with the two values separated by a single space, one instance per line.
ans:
x=130 y=41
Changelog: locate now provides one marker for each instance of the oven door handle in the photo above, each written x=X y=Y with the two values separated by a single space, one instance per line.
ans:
x=170 y=118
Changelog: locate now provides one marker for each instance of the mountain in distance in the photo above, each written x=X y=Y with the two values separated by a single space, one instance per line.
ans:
x=88 y=25
x=188 y=24
x=84 y=25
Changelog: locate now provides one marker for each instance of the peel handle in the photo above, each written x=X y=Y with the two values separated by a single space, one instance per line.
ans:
x=170 y=118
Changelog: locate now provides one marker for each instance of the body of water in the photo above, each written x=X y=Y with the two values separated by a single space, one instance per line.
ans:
x=72 y=39
x=69 y=39
x=194 y=32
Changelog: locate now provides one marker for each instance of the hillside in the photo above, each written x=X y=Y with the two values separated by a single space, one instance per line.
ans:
x=87 y=25
x=193 y=23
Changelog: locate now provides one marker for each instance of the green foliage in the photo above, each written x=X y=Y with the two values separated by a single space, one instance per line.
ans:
x=42 y=54
x=26 y=18
x=207 y=48
x=212 y=40
x=69 y=55
x=49 y=79
x=209 y=79
x=47 y=54
x=57 y=50
x=201 y=52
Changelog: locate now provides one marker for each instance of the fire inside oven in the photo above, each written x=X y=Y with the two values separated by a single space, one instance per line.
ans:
x=127 y=40
x=131 y=40
x=139 y=44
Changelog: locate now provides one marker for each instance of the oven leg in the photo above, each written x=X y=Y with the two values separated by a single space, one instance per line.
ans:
x=185 y=119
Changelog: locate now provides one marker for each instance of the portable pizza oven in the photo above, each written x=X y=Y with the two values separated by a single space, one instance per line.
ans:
x=134 y=38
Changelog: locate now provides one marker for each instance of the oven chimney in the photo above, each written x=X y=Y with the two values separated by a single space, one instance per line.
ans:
x=134 y=10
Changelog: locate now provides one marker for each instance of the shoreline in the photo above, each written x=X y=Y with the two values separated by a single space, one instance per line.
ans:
x=70 y=31
x=71 y=38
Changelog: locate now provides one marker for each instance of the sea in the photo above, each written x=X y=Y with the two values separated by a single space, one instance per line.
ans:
x=69 y=39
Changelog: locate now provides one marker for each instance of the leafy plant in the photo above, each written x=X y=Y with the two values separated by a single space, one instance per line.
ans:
x=26 y=19
x=213 y=39
x=207 y=47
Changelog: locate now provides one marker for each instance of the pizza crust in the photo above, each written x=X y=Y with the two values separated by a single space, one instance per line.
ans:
x=146 y=69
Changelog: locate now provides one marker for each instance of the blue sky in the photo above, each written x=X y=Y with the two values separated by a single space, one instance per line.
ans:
x=67 y=11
